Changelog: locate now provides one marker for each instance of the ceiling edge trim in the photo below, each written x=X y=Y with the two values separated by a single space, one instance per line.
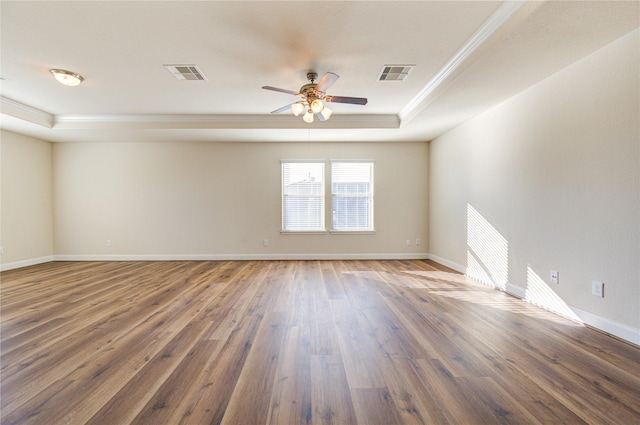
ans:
x=495 y=21
x=24 y=112
x=20 y=111
x=169 y=121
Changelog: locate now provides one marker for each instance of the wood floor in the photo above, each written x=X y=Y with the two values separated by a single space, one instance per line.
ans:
x=296 y=342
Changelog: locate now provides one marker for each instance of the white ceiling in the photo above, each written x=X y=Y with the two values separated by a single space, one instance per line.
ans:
x=468 y=57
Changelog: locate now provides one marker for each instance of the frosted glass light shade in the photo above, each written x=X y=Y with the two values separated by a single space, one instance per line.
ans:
x=316 y=106
x=326 y=113
x=297 y=108
x=67 y=78
x=308 y=117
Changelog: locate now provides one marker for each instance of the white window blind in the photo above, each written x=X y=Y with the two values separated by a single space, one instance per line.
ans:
x=352 y=195
x=303 y=196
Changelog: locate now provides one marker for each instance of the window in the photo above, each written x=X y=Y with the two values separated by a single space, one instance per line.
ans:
x=352 y=195
x=303 y=196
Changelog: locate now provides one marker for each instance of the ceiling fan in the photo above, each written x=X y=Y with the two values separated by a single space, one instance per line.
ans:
x=313 y=97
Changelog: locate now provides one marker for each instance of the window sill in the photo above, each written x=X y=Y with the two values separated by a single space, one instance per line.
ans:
x=324 y=232
x=352 y=232
x=303 y=232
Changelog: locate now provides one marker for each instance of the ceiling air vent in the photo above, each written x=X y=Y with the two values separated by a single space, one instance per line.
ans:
x=395 y=72
x=186 y=72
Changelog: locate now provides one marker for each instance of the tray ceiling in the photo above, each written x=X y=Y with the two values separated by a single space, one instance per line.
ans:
x=466 y=57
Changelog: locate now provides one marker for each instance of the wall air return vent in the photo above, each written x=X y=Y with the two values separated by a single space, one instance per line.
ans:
x=186 y=72
x=395 y=72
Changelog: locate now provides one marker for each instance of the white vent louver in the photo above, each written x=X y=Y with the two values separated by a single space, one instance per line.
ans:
x=186 y=72
x=395 y=72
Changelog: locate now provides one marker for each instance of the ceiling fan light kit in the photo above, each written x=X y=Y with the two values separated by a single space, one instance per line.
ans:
x=316 y=106
x=326 y=113
x=314 y=97
x=297 y=108
x=308 y=117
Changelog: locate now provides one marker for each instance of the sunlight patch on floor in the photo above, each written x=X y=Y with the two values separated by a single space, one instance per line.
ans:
x=393 y=278
x=506 y=304
x=463 y=288
x=441 y=276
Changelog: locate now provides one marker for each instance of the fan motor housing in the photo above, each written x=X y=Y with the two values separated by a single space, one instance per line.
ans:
x=308 y=88
x=310 y=92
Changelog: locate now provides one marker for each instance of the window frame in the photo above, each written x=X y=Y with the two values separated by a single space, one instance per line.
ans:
x=370 y=196
x=284 y=196
x=327 y=192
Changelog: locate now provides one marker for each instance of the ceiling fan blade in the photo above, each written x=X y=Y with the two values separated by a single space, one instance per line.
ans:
x=283 y=109
x=295 y=93
x=327 y=81
x=344 y=99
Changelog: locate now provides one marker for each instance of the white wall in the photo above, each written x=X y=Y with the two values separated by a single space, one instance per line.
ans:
x=220 y=200
x=551 y=180
x=26 y=203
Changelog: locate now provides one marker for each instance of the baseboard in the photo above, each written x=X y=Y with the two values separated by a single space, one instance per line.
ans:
x=455 y=266
x=26 y=263
x=213 y=257
x=516 y=291
x=609 y=326
x=241 y=257
x=620 y=330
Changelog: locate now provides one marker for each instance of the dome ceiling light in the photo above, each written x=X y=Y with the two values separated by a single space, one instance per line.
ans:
x=67 y=78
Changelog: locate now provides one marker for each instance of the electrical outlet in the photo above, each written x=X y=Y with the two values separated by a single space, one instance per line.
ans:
x=1 y=250
x=265 y=242
x=108 y=243
x=597 y=288
x=408 y=242
x=418 y=242
x=553 y=277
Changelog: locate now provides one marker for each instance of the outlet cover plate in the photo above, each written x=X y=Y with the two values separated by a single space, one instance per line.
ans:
x=597 y=288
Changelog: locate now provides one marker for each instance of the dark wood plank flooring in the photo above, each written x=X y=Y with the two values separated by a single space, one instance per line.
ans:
x=296 y=342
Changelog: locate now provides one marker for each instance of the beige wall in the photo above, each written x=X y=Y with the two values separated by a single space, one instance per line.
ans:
x=26 y=203
x=551 y=180
x=199 y=200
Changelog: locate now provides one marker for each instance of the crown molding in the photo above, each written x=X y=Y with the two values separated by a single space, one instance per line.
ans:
x=33 y=115
x=491 y=25
x=196 y=121
x=25 y=112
